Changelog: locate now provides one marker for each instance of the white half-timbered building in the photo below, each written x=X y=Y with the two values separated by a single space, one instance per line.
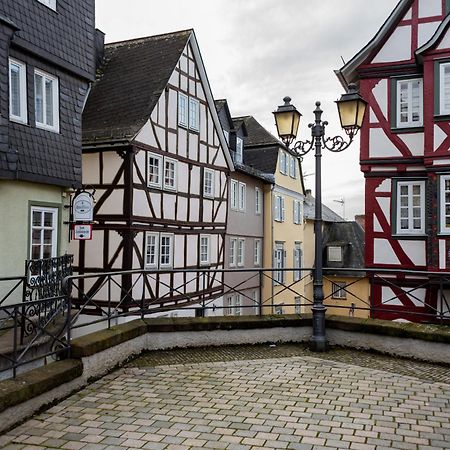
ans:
x=154 y=150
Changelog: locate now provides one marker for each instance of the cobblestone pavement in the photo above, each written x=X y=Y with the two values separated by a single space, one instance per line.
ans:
x=277 y=401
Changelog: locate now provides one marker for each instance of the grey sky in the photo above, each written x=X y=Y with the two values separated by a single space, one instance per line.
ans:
x=258 y=51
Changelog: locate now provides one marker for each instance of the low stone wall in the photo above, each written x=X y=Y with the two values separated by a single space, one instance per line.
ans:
x=96 y=354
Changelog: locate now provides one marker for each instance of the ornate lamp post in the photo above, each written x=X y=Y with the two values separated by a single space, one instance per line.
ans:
x=351 y=109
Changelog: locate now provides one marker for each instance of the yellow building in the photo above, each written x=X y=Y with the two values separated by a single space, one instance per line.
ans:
x=346 y=289
x=284 y=242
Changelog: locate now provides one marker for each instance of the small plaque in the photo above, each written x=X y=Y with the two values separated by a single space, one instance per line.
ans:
x=83 y=207
x=82 y=232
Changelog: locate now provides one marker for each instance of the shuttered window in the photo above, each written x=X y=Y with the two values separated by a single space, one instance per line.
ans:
x=279 y=208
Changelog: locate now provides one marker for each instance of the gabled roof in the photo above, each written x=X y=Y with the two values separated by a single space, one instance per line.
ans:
x=328 y=215
x=347 y=74
x=129 y=85
x=256 y=133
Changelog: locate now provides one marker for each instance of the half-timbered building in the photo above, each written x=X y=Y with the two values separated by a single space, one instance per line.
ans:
x=47 y=60
x=404 y=74
x=154 y=151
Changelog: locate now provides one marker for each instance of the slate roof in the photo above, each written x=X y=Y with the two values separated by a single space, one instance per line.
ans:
x=257 y=134
x=131 y=80
x=351 y=237
x=328 y=215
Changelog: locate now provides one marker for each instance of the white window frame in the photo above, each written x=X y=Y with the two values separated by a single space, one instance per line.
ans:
x=293 y=167
x=279 y=206
x=242 y=197
x=171 y=240
x=234 y=195
x=442 y=98
x=443 y=204
x=297 y=212
x=183 y=101
x=338 y=290
x=410 y=230
x=279 y=263
x=208 y=189
x=229 y=305
x=155 y=264
x=233 y=252
x=55 y=101
x=258 y=201
x=194 y=114
x=241 y=252
x=42 y=228
x=257 y=252
x=239 y=150
x=283 y=162
x=298 y=257
x=23 y=98
x=160 y=160
x=238 y=305
x=334 y=253
x=207 y=239
x=166 y=185
x=410 y=123
x=255 y=298
x=49 y=3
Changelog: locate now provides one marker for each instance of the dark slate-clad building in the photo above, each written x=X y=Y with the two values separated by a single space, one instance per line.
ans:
x=47 y=62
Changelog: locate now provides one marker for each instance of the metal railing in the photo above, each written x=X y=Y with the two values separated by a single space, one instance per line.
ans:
x=95 y=301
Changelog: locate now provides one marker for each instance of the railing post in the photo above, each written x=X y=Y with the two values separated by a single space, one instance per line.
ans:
x=260 y=299
x=109 y=302
x=15 y=364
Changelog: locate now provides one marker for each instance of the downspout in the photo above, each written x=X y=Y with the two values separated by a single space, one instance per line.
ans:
x=273 y=241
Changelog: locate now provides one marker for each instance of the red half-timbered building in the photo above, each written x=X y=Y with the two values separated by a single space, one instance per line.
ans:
x=154 y=150
x=404 y=74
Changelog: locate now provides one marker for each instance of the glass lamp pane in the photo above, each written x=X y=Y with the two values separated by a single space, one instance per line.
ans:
x=348 y=112
x=287 y=123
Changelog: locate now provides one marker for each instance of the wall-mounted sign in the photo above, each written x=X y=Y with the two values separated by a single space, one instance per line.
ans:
x=82 y=232
x=83 y=207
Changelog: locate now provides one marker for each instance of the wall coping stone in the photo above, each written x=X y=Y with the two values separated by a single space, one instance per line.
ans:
x=38 y=381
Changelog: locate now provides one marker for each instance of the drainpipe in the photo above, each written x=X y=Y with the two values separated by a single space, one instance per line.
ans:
x=273 y=241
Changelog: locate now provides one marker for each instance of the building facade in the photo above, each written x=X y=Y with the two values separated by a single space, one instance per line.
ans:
x=154 y=150
x=47 y=61
x=404 y=74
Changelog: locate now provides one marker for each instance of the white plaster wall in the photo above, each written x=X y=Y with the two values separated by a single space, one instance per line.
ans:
x=383 y=252
x=445 y=42
x=397 y=47
x=415 y=142
x=426 y=31
x=380 y=92
x=430 y=8
x=381 y=146
x=416 y=251
x=90 y=167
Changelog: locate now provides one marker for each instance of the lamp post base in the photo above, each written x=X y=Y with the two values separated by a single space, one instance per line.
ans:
x=318 y=342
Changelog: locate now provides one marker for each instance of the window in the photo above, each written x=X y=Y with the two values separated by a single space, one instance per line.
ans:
x=194 y=114
x=445 y=203
x=233 y=251
x=17 y=91
x=208 y=183
x=257 y=252
x=170 y=174
x=409 y=103
x=155 y=163
x=334 y=253
x=338 y=290
x=242 y=196
x=233 y=305
x=237 y=305
x=279 y=257
x=298 y=305
x=279 y=310
x=258 y=201
x=229 y=306
x=239 y=150
x=151 y=250
x=297 y=212
x=204 y=249
x=410 y=207
x=234 y=194
x=50 y=3
x=166 y=251
x=46 y=101
x=44 y=232
x=293 y=167
x=283 y=163
x=188 y=112
x=241 y=252
x=279 y=208
x=444 y=89
x=298 y=256
x=255 y=298
x=182 y=109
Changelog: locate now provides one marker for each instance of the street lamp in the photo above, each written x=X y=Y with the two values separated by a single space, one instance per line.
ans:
x=351 y=109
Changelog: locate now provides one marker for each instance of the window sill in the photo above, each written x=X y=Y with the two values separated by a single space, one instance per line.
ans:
x=407 y=130
x=46 y=128
x=409 y=236
x=18 y=120
x=442 y=117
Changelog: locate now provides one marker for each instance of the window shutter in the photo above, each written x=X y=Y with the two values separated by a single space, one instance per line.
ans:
x=277 y=209
x=295 y=211
x=282 y=209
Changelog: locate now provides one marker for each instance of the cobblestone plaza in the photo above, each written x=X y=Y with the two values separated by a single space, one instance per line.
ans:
x=251 y=398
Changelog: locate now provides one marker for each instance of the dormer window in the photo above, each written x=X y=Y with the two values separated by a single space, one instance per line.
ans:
x=334 y=253
x=408 y=111
x=283 y=163
x=17 y=91
x=239 y=150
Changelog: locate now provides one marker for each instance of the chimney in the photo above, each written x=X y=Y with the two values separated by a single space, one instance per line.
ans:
x=99 y=48
x=308 y=192
x=361 y=221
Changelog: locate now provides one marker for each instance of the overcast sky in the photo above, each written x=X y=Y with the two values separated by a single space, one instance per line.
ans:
x=258 y=51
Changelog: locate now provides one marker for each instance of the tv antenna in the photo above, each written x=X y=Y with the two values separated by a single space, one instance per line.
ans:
x=342 y=202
